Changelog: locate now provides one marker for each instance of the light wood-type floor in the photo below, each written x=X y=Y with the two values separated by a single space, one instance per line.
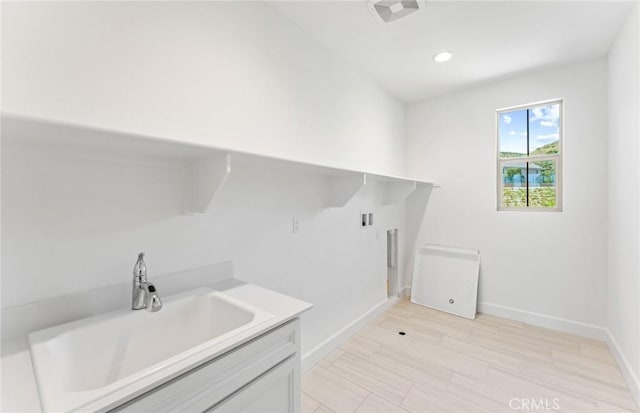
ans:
x=446 y=363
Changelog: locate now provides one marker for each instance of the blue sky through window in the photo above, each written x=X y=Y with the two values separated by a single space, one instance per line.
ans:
x=544 y=128
x=513 y=132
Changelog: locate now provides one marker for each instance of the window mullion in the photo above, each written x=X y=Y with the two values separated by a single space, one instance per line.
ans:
x=527 y=164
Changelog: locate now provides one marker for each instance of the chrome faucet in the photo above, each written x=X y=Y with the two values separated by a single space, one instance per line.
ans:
x=145 y=294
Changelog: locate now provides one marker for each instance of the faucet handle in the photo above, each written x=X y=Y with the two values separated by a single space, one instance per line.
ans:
x=154 y=304
x=152 y=301
x=140 y=268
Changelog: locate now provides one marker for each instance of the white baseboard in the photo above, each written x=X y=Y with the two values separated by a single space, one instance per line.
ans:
x=628 y=374
x=542 y=320
x=405 y=291
x=311 y=357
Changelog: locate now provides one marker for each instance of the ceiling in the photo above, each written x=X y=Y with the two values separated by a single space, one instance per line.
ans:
x=489 y=39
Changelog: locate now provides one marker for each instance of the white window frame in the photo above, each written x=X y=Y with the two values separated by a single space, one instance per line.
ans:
x=532 y=158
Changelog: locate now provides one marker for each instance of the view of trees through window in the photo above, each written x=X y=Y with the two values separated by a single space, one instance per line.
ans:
x=529 y=140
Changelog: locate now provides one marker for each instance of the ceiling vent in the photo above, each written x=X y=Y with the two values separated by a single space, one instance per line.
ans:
x=388 y=11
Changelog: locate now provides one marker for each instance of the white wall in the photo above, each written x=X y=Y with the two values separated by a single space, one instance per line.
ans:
x=553 y=264
x=74 y=221
x=623 y=307
x=236 y=75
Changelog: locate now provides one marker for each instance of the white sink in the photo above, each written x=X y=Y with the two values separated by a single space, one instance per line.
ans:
x=80 y=362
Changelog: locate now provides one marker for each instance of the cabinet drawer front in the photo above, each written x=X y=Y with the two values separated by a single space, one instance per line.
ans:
x=276 y=391
x=211 y=382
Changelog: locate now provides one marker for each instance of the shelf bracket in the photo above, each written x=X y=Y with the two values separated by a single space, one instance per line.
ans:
x=206 y=178
x=396 y=192
x=343 y=188
x=424 y=189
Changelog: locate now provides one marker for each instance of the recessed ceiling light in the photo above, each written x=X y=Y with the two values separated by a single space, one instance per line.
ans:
x=442 y=57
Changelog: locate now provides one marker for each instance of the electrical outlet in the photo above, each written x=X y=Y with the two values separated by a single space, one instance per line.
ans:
x=296 y=225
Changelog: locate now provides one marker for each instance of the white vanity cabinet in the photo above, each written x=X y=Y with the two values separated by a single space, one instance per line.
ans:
x=276 y=391
x=260 y=376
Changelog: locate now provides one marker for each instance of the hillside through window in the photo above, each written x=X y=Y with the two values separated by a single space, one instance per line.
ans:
x=529 y=157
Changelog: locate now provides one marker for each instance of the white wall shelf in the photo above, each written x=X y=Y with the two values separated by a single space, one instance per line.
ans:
x=208 y=167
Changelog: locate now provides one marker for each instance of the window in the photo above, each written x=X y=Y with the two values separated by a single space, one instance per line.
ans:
x=530 y=157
